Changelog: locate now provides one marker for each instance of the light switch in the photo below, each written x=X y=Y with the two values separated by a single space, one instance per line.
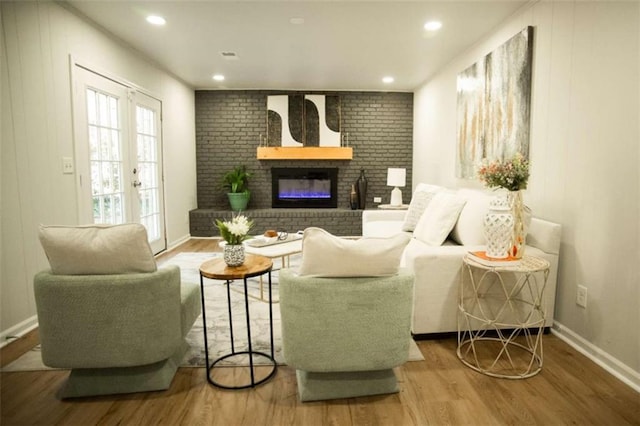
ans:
x=67 y=165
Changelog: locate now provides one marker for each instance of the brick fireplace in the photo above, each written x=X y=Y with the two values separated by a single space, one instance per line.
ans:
x=229 y=125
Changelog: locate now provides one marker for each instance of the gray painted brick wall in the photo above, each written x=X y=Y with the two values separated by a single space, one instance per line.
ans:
x=228 y=124
x=337 y=221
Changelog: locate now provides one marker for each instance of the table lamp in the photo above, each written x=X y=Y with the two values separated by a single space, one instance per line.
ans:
x=396 y=177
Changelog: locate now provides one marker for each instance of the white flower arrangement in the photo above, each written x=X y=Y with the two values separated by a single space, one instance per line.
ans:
x=236 y=230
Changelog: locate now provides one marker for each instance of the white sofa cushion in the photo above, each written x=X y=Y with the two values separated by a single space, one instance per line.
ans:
x=97 y=249
x=325 y=255
x=439 y=218
x=419 y=203
x=469 y=229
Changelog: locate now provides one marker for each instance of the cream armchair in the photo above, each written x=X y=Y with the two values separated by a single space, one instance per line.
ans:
x=117 y=332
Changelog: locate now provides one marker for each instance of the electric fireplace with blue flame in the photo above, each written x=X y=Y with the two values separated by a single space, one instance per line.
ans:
x=304 y=187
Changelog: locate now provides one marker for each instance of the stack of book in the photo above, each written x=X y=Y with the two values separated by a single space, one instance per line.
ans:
x=482 y=258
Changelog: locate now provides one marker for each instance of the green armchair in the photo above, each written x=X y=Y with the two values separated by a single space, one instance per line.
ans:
x=118 y=333
x=344 y=336
x=107 y=313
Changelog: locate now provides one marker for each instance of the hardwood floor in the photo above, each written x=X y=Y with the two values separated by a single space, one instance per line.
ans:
x=570 y=389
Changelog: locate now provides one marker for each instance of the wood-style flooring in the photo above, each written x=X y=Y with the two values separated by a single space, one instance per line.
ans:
x=440 y=390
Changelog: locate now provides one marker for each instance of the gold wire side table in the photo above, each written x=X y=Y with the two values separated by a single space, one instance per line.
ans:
x=501 y=318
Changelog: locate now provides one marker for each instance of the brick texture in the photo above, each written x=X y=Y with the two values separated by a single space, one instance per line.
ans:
x=337 y=221
x=378 y=125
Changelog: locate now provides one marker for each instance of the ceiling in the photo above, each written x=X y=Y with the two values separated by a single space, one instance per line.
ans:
x=341 y=45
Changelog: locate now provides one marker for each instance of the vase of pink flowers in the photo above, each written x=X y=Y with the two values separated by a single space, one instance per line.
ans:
x=512 y=175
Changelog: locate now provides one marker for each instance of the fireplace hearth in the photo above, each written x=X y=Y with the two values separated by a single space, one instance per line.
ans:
x=293 y=187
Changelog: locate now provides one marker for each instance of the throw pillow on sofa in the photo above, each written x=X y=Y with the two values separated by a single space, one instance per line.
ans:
x=439 y=218
x=419 y=202
x=325 y=255
x=97 y=249
x=469 y=229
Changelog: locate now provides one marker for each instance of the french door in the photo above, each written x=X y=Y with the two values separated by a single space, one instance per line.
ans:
x=118 y=155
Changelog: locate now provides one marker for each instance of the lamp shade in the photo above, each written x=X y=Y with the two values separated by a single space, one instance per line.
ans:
x=396 y=177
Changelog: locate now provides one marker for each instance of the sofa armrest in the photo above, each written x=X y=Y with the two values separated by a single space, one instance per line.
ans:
x=345 y=324
x=382 y=223
x=438 y=273
x=109 y=320
x=544 y=235
x=377 y=215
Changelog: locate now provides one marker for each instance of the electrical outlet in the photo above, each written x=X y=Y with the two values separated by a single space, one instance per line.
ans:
x=67 y=165
x=581 y=296
x=377 y=199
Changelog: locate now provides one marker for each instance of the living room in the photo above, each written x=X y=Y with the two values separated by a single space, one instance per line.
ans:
x=584 y=152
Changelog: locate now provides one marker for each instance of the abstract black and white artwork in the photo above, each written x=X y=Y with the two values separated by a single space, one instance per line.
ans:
x=303 y=120
x=494 y=105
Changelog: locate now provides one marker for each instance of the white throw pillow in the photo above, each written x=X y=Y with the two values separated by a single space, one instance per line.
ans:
x=419 y=202
x=97 y=249
x=469 y=229
x=325 y=255
x=439 y=218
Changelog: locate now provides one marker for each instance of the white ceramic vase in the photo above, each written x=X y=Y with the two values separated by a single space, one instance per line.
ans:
x=498 y=227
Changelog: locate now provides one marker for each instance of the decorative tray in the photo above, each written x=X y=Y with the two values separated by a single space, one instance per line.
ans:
x=261 y=241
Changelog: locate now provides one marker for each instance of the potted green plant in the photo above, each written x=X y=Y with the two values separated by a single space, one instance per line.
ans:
x=236 y=182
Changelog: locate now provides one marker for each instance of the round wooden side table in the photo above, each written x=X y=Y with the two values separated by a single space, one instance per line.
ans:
x=217 y=269
x=501 y=318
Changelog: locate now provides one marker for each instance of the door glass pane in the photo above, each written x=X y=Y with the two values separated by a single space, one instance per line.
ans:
x=105 y=141
x=147 y=144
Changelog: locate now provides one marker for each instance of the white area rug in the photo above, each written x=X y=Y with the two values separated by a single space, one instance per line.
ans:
x=217 y=319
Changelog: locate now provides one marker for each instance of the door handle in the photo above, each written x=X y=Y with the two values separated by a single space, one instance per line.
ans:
x=136 y=184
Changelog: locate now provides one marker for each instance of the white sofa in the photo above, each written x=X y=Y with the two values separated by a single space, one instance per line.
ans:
x=437 y=268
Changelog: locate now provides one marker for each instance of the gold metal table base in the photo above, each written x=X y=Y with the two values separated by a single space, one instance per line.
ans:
x=501 y=318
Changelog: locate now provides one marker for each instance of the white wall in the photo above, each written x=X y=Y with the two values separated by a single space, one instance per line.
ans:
x=38 y=39
x=584 y=153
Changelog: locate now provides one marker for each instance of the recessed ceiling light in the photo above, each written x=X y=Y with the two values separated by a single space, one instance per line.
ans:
x=156 y=20
x=433 y=25
x=218 y=77
x=388 y=79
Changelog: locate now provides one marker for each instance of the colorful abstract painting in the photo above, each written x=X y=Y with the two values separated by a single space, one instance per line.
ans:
x=494 y=105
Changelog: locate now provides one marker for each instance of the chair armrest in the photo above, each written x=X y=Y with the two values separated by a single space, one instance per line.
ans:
x=108 y=320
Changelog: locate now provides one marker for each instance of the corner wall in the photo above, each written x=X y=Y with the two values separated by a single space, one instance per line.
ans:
x=584 y=160
x=38 y=39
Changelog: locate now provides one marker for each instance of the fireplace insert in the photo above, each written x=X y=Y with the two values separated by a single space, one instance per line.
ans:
x=304 y=187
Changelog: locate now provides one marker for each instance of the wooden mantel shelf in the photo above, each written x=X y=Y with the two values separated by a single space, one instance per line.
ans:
x=304 y=153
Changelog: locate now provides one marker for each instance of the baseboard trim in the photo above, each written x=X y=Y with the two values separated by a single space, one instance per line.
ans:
x=452 y=334
x=17 y=331
x=173 y=244
x=612 y=365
